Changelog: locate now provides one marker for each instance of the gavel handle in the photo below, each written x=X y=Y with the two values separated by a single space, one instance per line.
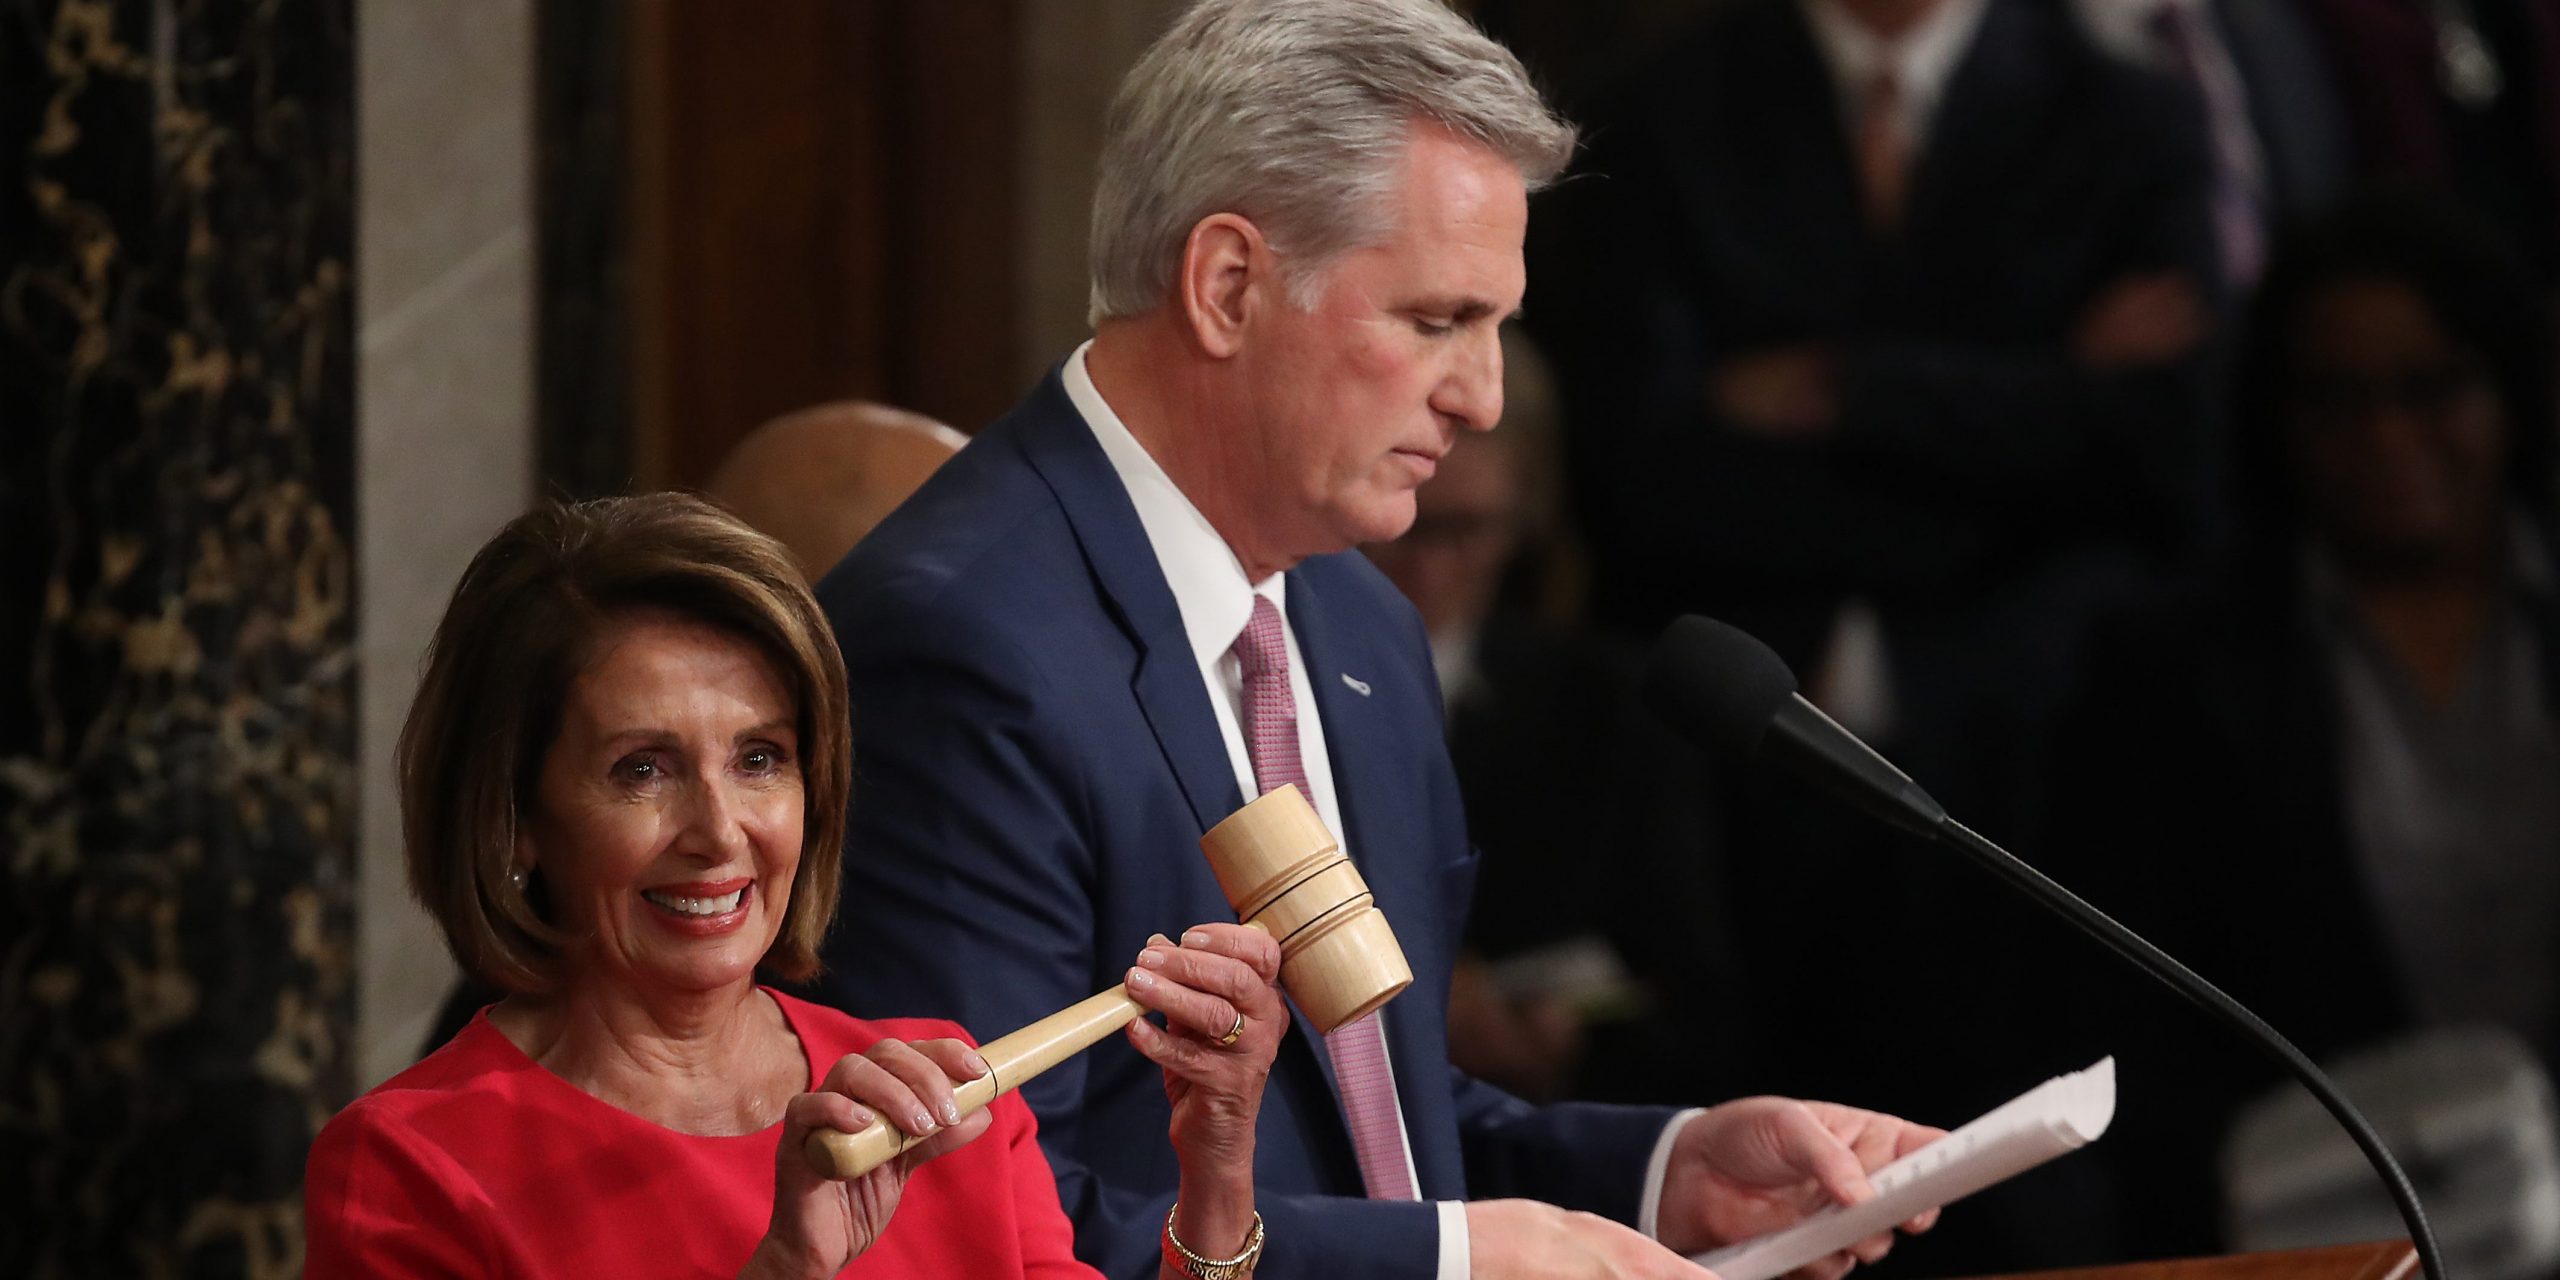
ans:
x=1010 y=1061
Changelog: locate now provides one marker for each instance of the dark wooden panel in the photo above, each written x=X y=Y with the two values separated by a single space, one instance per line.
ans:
x=952 y=159
x=2381 y=1260
x=821 y=206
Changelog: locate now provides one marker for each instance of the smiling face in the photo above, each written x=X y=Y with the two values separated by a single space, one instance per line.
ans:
x=667 y=817
x=1355 y=399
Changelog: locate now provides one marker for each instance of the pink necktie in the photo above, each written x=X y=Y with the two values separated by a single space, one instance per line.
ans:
x=2183 y=35
x=1358 y=1048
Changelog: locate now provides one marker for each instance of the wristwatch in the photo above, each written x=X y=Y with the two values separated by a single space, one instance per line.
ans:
x=1184 y=1262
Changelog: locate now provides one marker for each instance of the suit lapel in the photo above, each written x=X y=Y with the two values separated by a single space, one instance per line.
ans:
x=1983 y=124
x=1166 y=681
x=1769 y=122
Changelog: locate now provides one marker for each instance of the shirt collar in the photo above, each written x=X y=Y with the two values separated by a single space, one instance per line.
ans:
x=1923 y=59
x=1208 y=582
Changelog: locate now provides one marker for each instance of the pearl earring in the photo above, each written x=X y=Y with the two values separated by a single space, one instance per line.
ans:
x=515 y=877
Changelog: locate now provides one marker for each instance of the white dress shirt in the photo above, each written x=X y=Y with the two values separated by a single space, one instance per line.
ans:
x=1215 y=600
x=1922 y=60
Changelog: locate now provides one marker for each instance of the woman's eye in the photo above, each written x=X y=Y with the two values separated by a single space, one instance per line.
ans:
x=1431 y=328
x=763 y=759
x=637 y=769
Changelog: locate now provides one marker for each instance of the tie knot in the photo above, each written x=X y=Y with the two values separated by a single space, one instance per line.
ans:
x=1263 y=647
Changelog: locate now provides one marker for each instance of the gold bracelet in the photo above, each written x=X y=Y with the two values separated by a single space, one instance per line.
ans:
x=1179 y=1256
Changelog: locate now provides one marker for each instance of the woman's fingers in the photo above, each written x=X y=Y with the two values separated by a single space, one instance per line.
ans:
x=951 y=1137
x=1184 y=1057
x=959 y=1062
x=899 y=1082
x=809 y=1112
x=1217 y=980
x=1197 y=992
x=1255 y=947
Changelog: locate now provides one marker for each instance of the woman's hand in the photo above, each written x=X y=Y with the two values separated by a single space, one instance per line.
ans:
x=820 y=1224
x=1220 y=981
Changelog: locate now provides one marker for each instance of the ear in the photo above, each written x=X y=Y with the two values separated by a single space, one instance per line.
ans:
x=1227 y=267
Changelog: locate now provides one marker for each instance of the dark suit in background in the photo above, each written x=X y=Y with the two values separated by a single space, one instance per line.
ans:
x=1981 y=489
x=1036 y=760
x=1597 y=826
x=2295 y=109
x=1979 y=484
x=2500 y=155
x=2286 y=103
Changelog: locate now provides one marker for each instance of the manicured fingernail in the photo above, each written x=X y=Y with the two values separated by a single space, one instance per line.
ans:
x=975 y=1064
x=861 y=1119
x=1141 y=978
x=951 y=1112
x=924 y=1121
x=1158 y=939
x=1151 y=958
x=1195 y=938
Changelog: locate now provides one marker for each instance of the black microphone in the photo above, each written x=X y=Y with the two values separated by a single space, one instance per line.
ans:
x=1730 y=694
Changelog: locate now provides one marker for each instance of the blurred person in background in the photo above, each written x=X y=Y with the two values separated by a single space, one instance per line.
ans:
x=2329 y=778
x=1594 y=967
x=2459 y=96
x=2275 y=122
x=623 y=793
x=1885 y=327
x=816 y=480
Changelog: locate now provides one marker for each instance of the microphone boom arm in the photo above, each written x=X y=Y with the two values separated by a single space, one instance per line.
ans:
x=2132 y=947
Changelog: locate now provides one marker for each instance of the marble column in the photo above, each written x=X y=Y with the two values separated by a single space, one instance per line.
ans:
x=177 y=670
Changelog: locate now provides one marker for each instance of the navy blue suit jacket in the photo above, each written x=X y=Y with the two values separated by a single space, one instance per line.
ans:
x=1035 y=760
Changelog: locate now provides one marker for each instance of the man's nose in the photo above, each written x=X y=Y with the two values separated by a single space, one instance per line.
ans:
x=1472 y=393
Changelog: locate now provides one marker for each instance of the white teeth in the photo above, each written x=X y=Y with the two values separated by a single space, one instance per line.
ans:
x=695 y=906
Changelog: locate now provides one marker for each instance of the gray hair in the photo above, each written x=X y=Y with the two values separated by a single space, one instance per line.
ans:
x=1294 y=113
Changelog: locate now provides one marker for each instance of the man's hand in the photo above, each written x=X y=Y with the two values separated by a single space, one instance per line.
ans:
x=1527 y=1238
x=2140 y=321
x=1755 y=1165
x=1782 y=393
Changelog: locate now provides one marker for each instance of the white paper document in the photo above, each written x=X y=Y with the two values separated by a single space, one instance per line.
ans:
x=2062 y=1114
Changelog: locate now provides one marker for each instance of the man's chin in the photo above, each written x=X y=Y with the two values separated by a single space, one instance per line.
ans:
x=1383 y=521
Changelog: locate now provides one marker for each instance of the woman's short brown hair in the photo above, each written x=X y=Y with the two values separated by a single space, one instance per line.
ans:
x=521 y=624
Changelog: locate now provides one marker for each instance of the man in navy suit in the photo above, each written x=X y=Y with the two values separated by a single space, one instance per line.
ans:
x=1129 y=605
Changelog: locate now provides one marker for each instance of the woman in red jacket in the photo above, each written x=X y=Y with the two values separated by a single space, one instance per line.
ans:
x=623 y=791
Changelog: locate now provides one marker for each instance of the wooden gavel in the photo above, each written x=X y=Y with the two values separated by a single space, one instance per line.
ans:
x=1285 y=874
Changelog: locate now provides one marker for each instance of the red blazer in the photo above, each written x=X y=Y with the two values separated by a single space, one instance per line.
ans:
x=478 y=1162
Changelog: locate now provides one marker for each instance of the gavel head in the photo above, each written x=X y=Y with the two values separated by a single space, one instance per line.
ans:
x=1283 y=870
